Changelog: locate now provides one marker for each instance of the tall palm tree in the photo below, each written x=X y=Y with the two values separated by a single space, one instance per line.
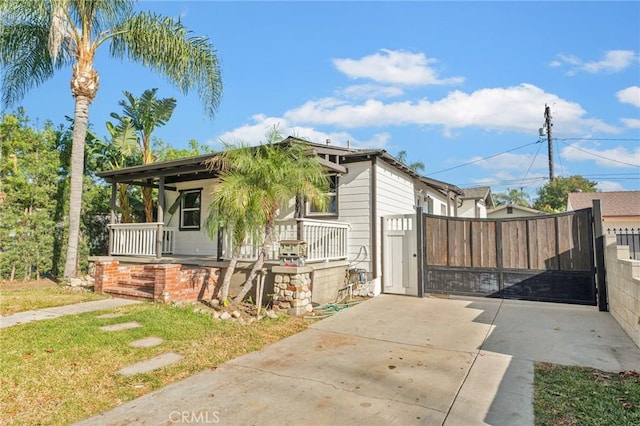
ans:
x=39 y=37
x=254 y=183
x=145 y=114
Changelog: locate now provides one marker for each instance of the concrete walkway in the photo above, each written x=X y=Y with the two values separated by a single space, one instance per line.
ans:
x=58 y=311
x=395 y=360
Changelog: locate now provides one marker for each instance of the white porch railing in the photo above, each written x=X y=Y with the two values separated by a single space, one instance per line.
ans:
x=326 y=240
x=139 y=239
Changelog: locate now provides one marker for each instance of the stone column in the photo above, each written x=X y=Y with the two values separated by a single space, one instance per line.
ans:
x=292 y=289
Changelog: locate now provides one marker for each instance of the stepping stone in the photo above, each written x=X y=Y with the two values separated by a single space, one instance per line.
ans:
x=106 y=316
x=147 y=342
x=151 y=364
x=122 y=326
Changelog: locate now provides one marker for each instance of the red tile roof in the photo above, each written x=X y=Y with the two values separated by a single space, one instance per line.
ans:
x=620 y=203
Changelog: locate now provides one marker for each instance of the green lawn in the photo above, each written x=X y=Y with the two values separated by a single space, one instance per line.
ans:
x=63 y=370
x=18 y=300
x=568 y=395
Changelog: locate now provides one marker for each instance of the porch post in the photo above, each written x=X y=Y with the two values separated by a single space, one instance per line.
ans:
x=112 y=215
x=160 y=218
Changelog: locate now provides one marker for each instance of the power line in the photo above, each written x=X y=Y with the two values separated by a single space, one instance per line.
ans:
x=599 y=139
x=531 y=165
x=601 y=156
x=482 y=159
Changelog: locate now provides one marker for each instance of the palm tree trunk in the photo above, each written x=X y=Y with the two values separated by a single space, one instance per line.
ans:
x=80 y=122
x=248 y=284
x=147 y=199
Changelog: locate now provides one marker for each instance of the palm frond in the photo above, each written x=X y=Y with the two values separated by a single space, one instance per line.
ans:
x=165 y=45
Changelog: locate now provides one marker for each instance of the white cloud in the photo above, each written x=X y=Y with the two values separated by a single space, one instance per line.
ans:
x=518 y=108
x=630 y=95
x=609 y=186
x=255 y=133
x=611 y=157
x=395 y=67
x=632 y=123
x=510 y=161
x=370 y=91
x=612 y=61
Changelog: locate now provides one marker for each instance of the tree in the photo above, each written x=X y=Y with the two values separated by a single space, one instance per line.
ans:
x=254 y=183
x=145 y=114
x=38 y=37
x=417 y=166
x=553 y=196
x=29 y=166
x=512 y=196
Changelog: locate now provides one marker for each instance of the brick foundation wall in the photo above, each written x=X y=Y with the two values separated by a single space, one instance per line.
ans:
x=173 y=282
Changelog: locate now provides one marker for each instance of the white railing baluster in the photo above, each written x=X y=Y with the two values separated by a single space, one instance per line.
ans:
x=139 y=239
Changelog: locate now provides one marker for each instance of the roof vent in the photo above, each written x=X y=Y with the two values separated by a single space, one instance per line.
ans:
x=328 y=141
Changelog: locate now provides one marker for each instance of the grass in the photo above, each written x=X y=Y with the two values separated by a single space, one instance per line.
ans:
x=18 y=300
x=63 y=370
x=569 y=395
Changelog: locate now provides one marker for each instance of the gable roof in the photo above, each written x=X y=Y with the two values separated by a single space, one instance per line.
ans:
x=350 y=155
x=479 y=193
x=617 y=203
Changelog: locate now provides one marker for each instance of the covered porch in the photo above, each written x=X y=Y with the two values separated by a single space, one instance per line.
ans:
x=170 y=260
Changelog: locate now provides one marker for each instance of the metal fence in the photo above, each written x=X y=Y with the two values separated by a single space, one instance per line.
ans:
x=628 y=237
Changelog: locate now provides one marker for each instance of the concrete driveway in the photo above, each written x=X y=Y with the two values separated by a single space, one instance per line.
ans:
x=395 y=360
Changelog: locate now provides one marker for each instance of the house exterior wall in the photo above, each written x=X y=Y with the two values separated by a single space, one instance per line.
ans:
x=630 y=222
x=395 y=195
x=516 y=213
x=472 y=209
x=192 y=242
x=354 y=208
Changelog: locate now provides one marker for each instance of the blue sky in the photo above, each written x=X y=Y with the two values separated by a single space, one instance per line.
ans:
x=450 y=83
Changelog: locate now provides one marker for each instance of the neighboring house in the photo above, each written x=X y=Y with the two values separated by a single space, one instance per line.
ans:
x=476 y=202
x=620 y=215
x=512 y=210
x=620 y=209
x=366 y=184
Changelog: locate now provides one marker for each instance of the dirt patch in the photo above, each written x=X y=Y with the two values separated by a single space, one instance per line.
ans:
x=27 y=285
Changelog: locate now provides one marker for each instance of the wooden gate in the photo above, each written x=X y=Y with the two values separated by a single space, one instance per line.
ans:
x=546 y=258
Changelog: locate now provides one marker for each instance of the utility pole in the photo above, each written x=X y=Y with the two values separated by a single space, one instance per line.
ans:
x=548 y=124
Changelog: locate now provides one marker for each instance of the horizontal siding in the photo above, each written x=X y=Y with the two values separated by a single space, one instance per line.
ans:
x=354 y=204
x=192 y=242
x=395 y=191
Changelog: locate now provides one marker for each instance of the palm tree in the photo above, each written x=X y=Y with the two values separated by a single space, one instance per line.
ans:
x=416 y=166
x=514 y=197
x=39 y=37
x=254 y=183
x=145 y=114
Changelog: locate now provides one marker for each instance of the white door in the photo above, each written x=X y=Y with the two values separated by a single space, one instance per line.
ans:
x=399 y=254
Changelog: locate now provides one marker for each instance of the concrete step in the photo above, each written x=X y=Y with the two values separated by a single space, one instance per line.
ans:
x=130 y=292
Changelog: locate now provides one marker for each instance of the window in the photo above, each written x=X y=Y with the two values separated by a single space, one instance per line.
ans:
x=443 y=210
x=332 y=202
x=429 y=205
x=190 y=210
x=509 y=210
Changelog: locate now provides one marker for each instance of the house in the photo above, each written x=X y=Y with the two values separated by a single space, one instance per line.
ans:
x=620 y=215
x=512 y=210
x=366 y=185
x=476 y=202
x=620 y=209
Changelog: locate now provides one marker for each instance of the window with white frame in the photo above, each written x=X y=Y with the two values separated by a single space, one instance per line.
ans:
x=190 y=207
x=332 y=202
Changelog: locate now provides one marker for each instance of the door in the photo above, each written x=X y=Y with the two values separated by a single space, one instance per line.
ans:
x=399 y=255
